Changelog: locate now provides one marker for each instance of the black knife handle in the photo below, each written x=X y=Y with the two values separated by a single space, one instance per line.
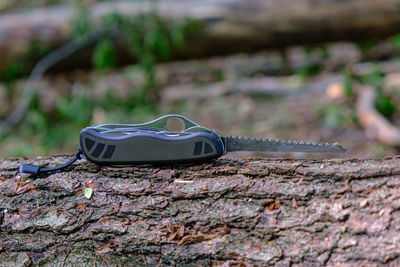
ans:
x=149 y=147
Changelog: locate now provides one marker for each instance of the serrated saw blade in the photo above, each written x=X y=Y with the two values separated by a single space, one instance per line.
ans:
x=237 y=143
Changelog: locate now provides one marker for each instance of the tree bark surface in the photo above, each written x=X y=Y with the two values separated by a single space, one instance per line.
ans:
x=228 y=26
x=247 y=212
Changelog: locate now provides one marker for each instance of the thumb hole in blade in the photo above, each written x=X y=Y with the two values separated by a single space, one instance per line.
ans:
x=175 y=125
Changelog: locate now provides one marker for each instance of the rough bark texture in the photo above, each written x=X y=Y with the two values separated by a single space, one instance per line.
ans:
x=228 y=26
x=225 y=212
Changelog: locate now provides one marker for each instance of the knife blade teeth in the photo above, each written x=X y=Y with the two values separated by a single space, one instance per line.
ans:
x=279 y=142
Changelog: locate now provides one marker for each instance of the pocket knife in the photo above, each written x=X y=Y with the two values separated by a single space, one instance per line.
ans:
x=153 y=143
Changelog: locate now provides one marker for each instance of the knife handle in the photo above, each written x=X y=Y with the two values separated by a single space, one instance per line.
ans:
x=149 y=147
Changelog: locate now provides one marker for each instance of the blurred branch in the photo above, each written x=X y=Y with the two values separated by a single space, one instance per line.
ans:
x=267 y=86
x=375 y=124
x=392 y=66
x=31 y=85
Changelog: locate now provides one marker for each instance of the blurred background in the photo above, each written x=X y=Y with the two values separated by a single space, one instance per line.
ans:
x=321 y=71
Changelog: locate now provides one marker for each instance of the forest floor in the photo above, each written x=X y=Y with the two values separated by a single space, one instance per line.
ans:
x=298 y=95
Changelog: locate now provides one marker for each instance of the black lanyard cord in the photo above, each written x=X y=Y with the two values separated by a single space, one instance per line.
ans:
x=36 y=170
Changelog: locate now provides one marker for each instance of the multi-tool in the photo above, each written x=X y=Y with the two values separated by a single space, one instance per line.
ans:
x=154 y=143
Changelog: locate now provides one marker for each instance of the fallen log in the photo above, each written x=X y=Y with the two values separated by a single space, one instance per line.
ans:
x=227 y=26
x=268 y=86
x=224 y=212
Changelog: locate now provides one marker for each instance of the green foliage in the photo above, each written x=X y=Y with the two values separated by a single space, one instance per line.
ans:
x=77 y=110
x=223 y=244
x=37 y=50
x=20 y=67
x=348 y=84
x=104 y=55
x=366 y=46
x=331 y=115
x=320 y=49
x=81 y=25
x=122 y=109
x=13 y=71
x=150 y=39
x=384 y=103
x=309 y=70
x=4 y=4
x=336 y=116
x=396 y=41
x=61 y=127
x=312 y=68
x=375 y=78
x=21 y=149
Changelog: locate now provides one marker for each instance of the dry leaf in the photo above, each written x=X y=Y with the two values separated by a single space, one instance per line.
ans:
x=275 y=205
x=88 y=192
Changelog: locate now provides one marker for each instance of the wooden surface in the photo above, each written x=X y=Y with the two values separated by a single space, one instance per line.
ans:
x=248 y=212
